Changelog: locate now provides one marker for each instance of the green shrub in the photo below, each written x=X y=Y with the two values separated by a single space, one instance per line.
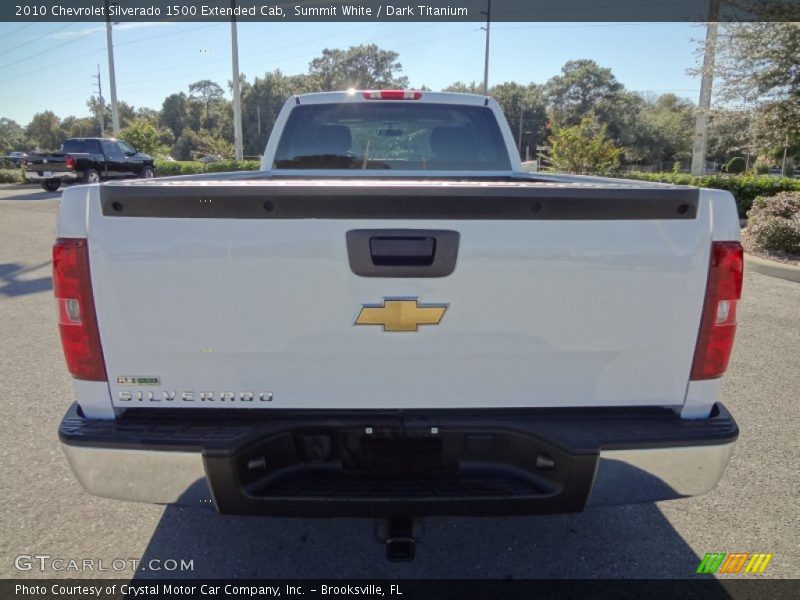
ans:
x=736 y=165
x=143 y=136
x=165 y=168
x=584 y=149
x=761 y=167
x=11 y=176
x=774 y=224
x=745 y=188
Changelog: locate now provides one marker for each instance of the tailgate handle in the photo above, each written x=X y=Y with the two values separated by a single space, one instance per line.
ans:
x=402 y=251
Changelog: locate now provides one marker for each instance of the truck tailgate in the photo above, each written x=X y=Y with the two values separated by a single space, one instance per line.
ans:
x=243 y=294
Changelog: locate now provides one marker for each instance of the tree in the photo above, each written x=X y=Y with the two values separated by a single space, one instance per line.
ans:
x=148 y=114
x=583 y=87
x=464 y=88
x=663 y=131
x=262 y=101
x=186 y=145
x=173 y=113
x=757 y=64
x=127 y=114
x=190 y=144
x=44 y=130
x=12 y=136
x=525 y=109
x=730 y=133
x=759 y=61
x=360 y=67
x=73 y=126
x=143 y=136
x=777 y=131
x=215 y=144
x=99 y=107
x=583 y=149
x=208 y=91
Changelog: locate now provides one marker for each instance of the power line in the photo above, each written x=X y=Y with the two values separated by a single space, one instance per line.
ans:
x=61 y=97
x=32 y=56
x=277 y=59
x=578 y=26
x=154 y=37
x=88 y=33
x=441 y=37
x=129 y=82
x=39 y=38
x=20 y=29
x=317 y=39
x=571 y=10
x=301 y=43
x=284 y=59
x=260 y=52
x=71 y=59
x=370 y=40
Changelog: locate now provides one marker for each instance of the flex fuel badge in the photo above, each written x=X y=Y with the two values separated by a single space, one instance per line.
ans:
x=149 y=380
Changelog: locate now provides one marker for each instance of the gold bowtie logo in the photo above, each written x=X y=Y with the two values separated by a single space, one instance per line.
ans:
x=401 y=315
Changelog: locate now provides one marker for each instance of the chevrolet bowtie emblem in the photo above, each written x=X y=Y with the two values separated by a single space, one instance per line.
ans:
x=400 y=315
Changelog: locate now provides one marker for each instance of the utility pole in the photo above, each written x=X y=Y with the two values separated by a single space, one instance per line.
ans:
x=237 y=96
x=519 y=137
x=706 y=82
x=750 y=142
x=258 y=115
x=488 y=13
x=785 y=150
x=112 y=78
x=101 y=110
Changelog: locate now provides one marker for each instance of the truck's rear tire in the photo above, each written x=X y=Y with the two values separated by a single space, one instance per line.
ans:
x=91 y=176
x=51 y=185
x=148 y=173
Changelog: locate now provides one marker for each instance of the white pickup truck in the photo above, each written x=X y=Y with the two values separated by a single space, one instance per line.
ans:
x=392 y=319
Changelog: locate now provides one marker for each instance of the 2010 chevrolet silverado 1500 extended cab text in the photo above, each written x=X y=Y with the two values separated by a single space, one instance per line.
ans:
x=391 y=319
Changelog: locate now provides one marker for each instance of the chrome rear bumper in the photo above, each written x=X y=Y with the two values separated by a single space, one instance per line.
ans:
x=652 y=474
x=35 y=175
x=622 y=477
x=154 y=476
x=597 y=462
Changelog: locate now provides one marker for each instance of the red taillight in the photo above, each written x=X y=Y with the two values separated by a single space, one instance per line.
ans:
x=718 y=323
x=392 y=95
x=77 y=321
x=69 y=162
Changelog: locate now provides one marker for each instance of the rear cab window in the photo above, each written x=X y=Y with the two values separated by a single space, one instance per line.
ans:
x=80 y=147
x=392 y=136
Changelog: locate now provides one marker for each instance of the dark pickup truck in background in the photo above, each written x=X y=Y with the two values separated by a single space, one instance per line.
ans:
x=88 y=160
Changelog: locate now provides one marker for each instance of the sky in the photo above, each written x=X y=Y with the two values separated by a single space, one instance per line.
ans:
x=51 y=66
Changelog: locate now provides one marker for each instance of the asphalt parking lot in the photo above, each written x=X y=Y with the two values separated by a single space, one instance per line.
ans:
x=45 y=511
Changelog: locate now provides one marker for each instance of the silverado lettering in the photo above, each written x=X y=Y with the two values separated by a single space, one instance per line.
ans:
x=169 y=396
